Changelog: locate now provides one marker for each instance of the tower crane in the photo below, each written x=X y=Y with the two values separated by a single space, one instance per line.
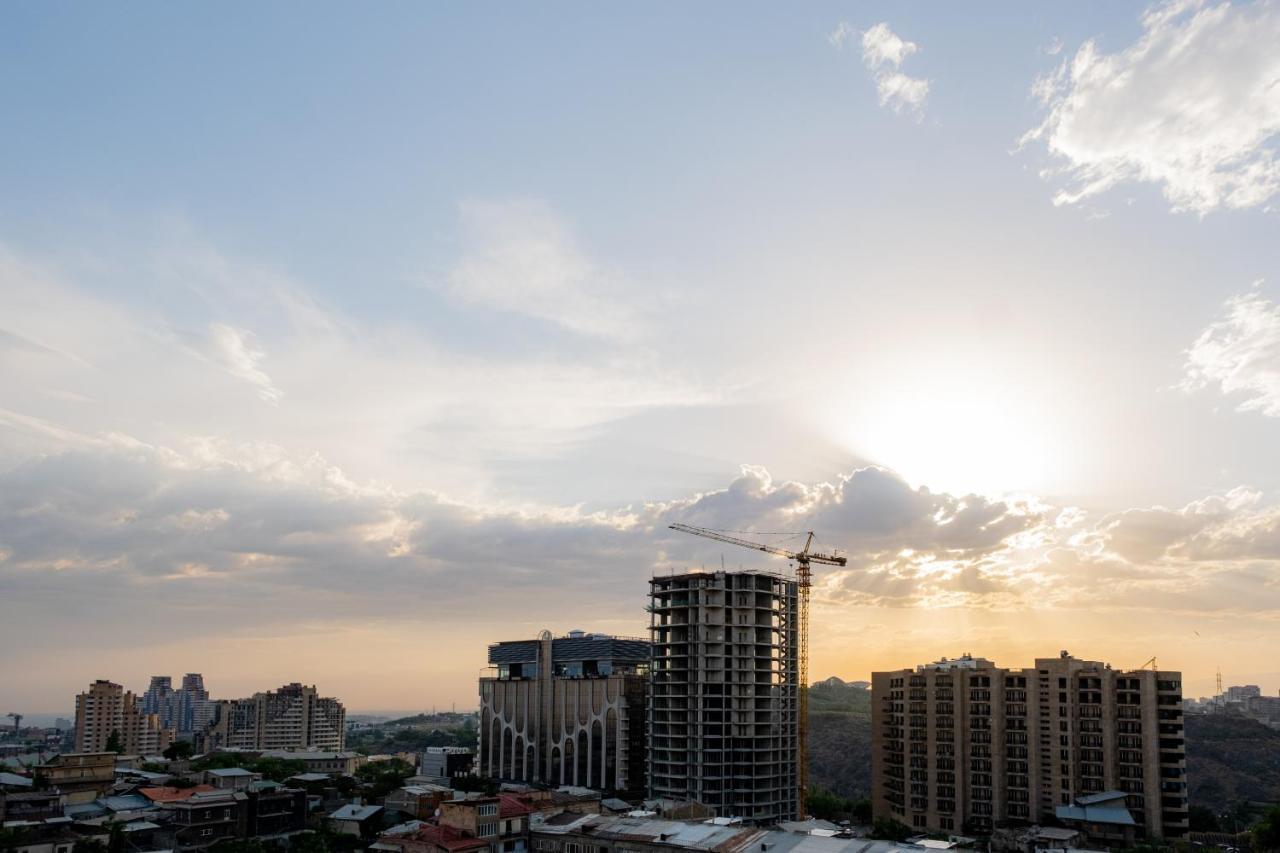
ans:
x=804 y=581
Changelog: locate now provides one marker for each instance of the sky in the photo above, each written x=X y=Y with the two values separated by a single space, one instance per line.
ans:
x=337 y=343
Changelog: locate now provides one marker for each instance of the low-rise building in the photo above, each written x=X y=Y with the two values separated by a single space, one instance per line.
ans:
x=318 y=761
x=275 y=810
x=355 y=819
x=442 y=764
x=202 y=819
x=417 y=801
x=231 y=778
x=82 y=777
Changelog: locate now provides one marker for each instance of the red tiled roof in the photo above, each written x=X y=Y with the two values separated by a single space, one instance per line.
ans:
x=439 y=836
x=512 y=806
x=173 y=795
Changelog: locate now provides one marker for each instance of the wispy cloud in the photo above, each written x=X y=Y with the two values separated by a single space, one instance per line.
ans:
x=883 y=52
x=1192 y=106
x=233 y=350
x=519 y=256
x=1240 y=354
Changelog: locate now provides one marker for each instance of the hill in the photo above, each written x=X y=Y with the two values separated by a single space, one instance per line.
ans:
x=1231 y=759
x=840 y=738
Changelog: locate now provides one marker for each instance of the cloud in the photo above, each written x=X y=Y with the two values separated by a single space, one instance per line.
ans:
x=232 y=349
x=1192 y=106
x=519 y=256
x=883 y=52
x=1240 y=354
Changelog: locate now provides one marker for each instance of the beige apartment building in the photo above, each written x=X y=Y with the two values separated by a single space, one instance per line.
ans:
x=963 y=746
x=294 y=717
x=106 y=708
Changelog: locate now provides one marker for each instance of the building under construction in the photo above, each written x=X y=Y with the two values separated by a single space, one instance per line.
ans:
x=566 y=711
x=724 y=699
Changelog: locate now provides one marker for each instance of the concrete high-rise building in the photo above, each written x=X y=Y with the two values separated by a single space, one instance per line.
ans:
x=566 y=711
x=295 y=717
x=963 y=745
x=724 y=693
x=156 y=699
x=192 y=710
x=107 y=712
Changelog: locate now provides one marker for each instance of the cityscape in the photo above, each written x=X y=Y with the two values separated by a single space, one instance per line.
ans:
x=689 y=739
x=639 y=427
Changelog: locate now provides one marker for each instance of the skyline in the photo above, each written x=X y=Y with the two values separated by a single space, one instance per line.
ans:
x=335 y=347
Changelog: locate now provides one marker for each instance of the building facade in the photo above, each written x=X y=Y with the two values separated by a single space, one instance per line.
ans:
x=295 y=717
x=565 y=711
x=724 y=693
x=107 y=711
x=966 y=746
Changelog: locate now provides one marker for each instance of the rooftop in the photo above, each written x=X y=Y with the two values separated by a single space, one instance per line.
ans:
x=167 y=794
x=351 y=811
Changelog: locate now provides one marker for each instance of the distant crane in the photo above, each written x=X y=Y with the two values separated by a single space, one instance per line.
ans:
x=17 y=722
x=1150 y=664
x=804 y=580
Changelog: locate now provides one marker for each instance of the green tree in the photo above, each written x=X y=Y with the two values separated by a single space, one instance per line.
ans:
x=114 y=743
x=179 y=749
x=825 y=805
x=309 y=842
x=1266 y=833
x=382 y=777
x=890 y=830
x=862 y=810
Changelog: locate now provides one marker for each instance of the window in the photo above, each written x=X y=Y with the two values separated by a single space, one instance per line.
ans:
x=487 y=829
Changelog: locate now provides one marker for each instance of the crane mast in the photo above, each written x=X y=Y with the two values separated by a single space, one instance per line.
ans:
x=804 y=582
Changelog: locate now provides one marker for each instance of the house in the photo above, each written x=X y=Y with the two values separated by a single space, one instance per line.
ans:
x=231 y=778
x=502 y=821
x=431 y=838
x=29 y=806
x=274 y=809
x=355 y=819
x=417 y=801
x=81 y=776
x=1103 y=818
x=204 y=818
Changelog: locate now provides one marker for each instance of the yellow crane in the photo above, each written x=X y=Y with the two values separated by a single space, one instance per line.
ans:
x=804 y=581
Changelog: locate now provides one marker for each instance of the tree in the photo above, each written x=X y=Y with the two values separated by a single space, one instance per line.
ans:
x=890 y=830
x=825 y=805
x=179 y=749
x=114 y=743
x=1266 y=833
x=382 y=777
x=309 y=842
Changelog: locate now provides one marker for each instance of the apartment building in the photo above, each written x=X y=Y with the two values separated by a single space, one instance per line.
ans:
x=565 y=711
x=724 y=693
x=107 y=711
x=965 y=746
x=294 y=717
